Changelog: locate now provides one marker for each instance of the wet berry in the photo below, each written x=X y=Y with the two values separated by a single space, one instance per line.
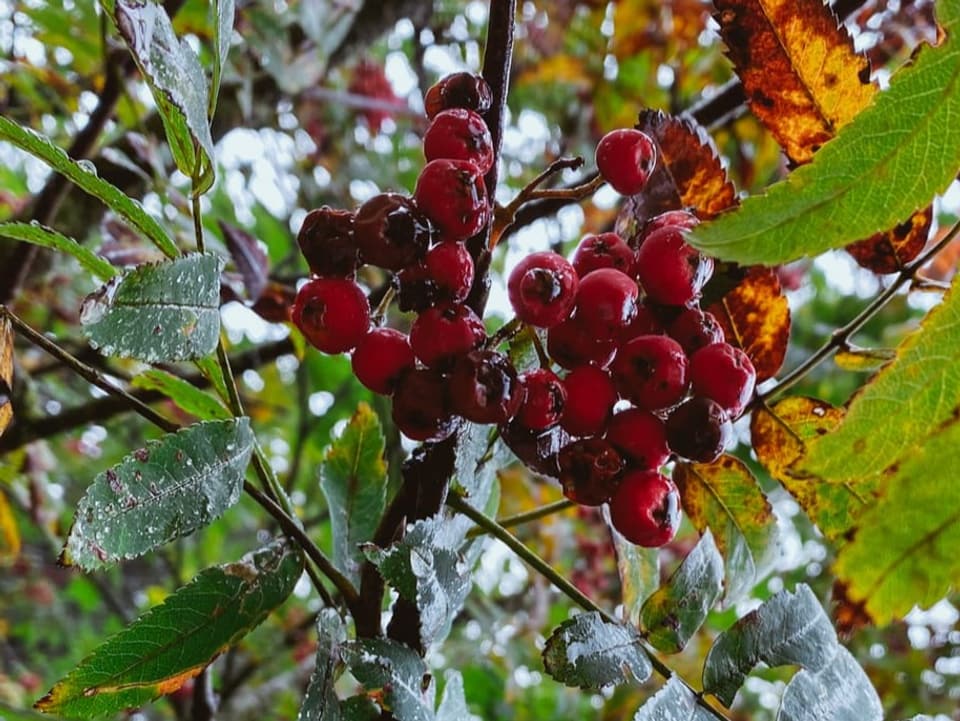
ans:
x=459 y=90
x=607 y=302
x=421 y=407
x=326 y=241
x=590 y=398
x=391 y=232
x=640 y=437
x=572 y=344
x=332 y=313
x=724 y=374
x=680 y=219
x=452 y=194
x=607 y=250
x=625 y=159
x=645 y=322
x=440 y=334
x=544 y=399
x=543 y=289
x=484 y=387
x=646 y=508
x=450 y=268
x=537 y=449
x=651 y=371
x=381 y=357
x=590 y=470
x=694 y=328
x=671 y=271
x=459 y=134
x=698 y=430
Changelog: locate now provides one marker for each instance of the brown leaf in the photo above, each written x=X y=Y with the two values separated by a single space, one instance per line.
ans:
x=798 y=66
x=889 y=252
x=849 y=615
x=755 y=316
x=6 y=373
x=249 y=257
x=9 y=533
x=275 y=302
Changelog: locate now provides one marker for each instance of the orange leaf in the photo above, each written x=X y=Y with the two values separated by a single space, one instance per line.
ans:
x=9 y=533
x=6 y=373
x=889 y=252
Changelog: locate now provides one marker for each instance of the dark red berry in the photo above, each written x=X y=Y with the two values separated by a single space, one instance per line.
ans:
x=572 y=344
x=646 y=508
x=607 y=302
x=681 y=219
x=590 y=470
x=544 y=398
x=391 y=232
x=421 y=407
x=440 y=334
x=484 y=387
x=590 y=398
x=415 y=288
x=640 y=437
x=671 y=271
x=452 y=194
x=651 y=371
x=694 y=328
x=450 y=268
x=724 y=374
x=381 y=357
x=698 y=430
x=645 y=322
x=625 y=159
x=332 y=313
x=459 y=90
x=543 y=289
x=537 y=449
x=326 y=241
x=607 y=250
x=459 y=134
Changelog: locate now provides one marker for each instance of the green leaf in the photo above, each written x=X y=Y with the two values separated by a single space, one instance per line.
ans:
x=174 y=641
x=187 y=396
x=453 y=703
x=177 y=81
x=353 y=477
x=9 y=713
x=639 y=570
x=840 y=691
x=881 y=168
x=50 y=238
x=790 y=628
x=223 y=13
x=321 y=701
x=725 y=497
x=591 y=653
x=677 y=610
x=158 y=312
x=395 y=670
x=674 y=702
x=84 y=175
x=169 y=489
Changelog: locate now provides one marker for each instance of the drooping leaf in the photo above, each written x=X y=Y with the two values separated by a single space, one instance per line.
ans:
x=177 y=82
x=453 y=702
x=161 y=312
x=50 y=238
x=174 y=641
x=790 y=628
x=186 y=395
x=166 y=490
x=724 y=497
x=889 y=252
x=840 y=691
x=395 y=671
x=674 y=702
x=84 y=175
x=639 y=570
x=321 y=702
x=249 y=257
x=868 y=178
x=223 y=12
x=755 y=316
x=677 y=610
x=591 y=653
x=9 y=533
x=6 y=373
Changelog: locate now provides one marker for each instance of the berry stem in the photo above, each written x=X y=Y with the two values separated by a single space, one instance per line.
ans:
x=526 y=517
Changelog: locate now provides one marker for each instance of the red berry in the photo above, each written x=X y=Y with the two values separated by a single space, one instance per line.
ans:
x=626 y=158
x=459 y=90
x=724 y=374
x=590 y=471
x=544 y=399
x=694 y=328
x=484 y=387
x=651 y=371
x=332 y=313
x=681 y=219
x=645 y=322
x=326 y=241
x=646 y=508
x=440 y=334
x=607 y=250
x=607 y=302
x=537 y=449
x=698 y=429
x=381 y=357
x=452 y=194
x=450 y=268
x=670 y=271
x=640 y=437
x=391 y=232
x=459 y=134
x=572 y=344
x=421 y=407
x=543 y=289
x=590 y=398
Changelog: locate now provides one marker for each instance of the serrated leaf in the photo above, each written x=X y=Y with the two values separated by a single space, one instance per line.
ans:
x=84 y=175
x=591 y=653
x=395 y=671
x=321 y=702
x=453 y=702
x=169 y=489
x=865 y=180
x=725 y=497
x=177 y=82
x=223 y=12
x=9 y=533
x=677 y=610
x=6 y=373
x=639 y=570
x=50 y=238
x=184 y=394
x=673 y=702
x=889 y=252
x=789 y=628
x=174 y=641
x=162 y=312
x=840 y=691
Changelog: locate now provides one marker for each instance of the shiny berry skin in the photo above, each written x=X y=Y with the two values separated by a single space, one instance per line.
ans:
x=440 y=334
x=415 y=288
x=421 y=406
x=484 y=387
x=537 y=449
x=572 y=344
x=590 y=470
x=544 y=399
x=640 y=437
x=459 y=134
x=645 y=322
x=391 y=232
x=607 y=250
x=646 y=508
x=681 y=219
x=698 y=430
x=450 y=268
x=724 y=374
x=607 y=302
x=459 y=90
x=694 y=328
x=651 y=371
x=671 y=271
x=543 y=289
x=590 y=398
x=332 y=313
x=452 y=194
x=326 y=241
x=381 y=357
x=625 y=159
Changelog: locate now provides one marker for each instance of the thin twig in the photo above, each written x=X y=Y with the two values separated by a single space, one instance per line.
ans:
x=526 y=517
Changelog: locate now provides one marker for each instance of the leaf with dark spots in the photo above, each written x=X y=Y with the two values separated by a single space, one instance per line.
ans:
x=889 y=252
x=249 y=256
